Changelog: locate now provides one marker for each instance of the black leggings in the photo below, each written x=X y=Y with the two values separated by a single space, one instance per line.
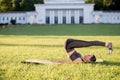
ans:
x=72 y=43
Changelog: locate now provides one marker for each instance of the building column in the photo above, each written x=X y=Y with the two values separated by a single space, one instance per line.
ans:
x=67 y=17
x=77 y=16
x=40 y=9
x=59 y=16
x=51 y=16
x=88 y=18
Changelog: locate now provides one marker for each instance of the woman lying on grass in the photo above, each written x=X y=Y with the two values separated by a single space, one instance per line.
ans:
x=70 y=44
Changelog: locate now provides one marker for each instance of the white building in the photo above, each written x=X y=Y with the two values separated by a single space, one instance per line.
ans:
x=61 y=12
x=64 y=12
x=20 y=17
x=106 y=17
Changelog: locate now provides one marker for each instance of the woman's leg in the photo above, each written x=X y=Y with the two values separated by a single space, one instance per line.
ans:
x=72 y=43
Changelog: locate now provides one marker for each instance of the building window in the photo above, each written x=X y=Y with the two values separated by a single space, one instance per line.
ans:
x=7 y=18
x=81 y=19
x=3 y=19
x=72 y=19
x=47 y=20
x=19 y=18
x=118 y=18
x=64 y=20
x=23 y=18
x=56 y=20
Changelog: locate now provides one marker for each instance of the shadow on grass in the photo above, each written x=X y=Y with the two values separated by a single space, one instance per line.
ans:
x=31 y=45
x=109 y=63
x=117 y=48
x=106 y=63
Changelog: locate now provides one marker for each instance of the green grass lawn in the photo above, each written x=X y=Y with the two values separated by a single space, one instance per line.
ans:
x=21 y=42
x=63 y=30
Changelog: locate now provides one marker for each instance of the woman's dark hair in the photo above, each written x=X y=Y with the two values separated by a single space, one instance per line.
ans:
x=90 y=58
x=93 y=58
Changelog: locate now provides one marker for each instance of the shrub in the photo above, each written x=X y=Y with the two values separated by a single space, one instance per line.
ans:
x=13 y=21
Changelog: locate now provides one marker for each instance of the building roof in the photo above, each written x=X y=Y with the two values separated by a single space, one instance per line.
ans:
x=17 y=11
x=63 y=1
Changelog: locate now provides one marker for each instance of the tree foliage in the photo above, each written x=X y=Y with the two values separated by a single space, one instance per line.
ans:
x=18 y=5
x=105 y=4
x=28 y=5
x=5 y=5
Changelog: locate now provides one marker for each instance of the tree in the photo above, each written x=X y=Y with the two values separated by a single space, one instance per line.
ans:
x=18 y=5
x=115 y=5
x=28 y=5
x=5 y=5
x=90 y=1
x=98 y=5
x=105 y=4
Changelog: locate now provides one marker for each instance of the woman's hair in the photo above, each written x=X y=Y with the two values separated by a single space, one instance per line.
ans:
x=89 y=58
